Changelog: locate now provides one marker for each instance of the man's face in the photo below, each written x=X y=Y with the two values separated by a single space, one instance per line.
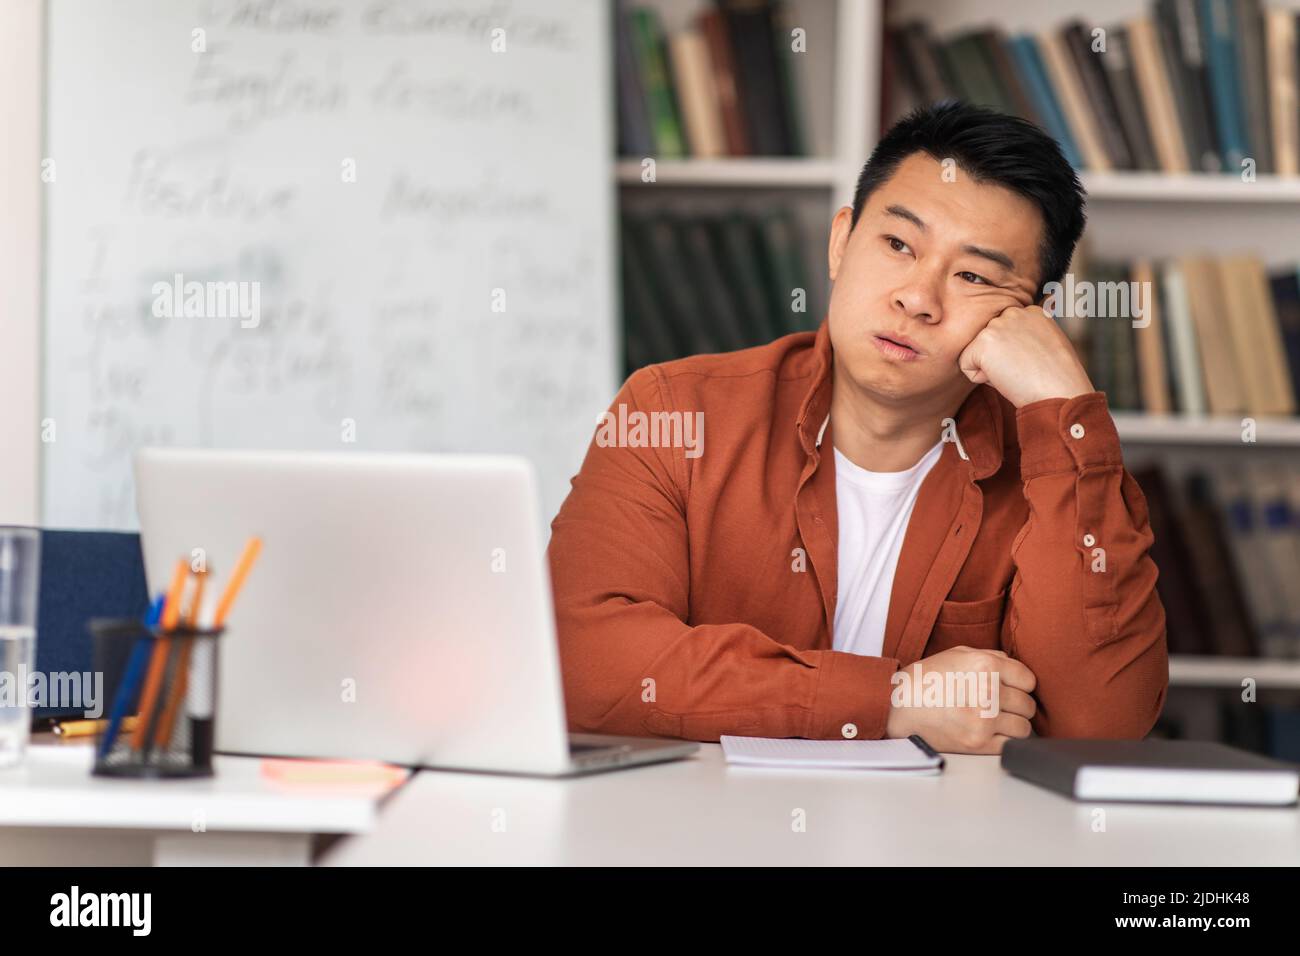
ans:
x=928 y=264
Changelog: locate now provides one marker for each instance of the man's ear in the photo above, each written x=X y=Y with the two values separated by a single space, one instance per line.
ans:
x=841 y=227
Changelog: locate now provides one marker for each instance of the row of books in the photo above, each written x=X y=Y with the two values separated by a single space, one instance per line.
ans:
x=1191 y=86
x=1228 y=550
x=1194 y=335
x=721 y=86
x=712 y=283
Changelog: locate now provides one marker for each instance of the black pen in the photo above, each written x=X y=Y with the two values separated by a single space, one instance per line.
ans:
x=926 y=748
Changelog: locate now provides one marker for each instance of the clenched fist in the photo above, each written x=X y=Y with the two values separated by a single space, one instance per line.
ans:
x=1026 y=356
x=966 y=725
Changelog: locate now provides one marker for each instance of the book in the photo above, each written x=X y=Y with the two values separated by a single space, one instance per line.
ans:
x=1152 y=72
x=1285 y=292
x=1079 y=43
x=648 y=335
x=1219 y=26
x=1223 y=582
x=1267 y=350
x=717 y=309
x=1284 y=98
x=919 y=64
x=1184 y=349
x=1152 y=771
x=786 y=272
x=1254 y=330
x=1149 y=342
x=1252 y=82
x=1186 y=618
x=657 y=238
x=661 y=107
x=1083 y=128
x=1030 y=65
x=736 y=133
x=1008 y=76
x=697 y=92
x=750 y=26
x=784 y=21
x=1251 y=558
x=975 y=73
x=1122 y=80
x=1178 y=36
x=634 y=136
x=740 y=254
x=1220 y=365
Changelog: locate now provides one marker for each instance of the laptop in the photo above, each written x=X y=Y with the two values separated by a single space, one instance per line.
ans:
x=400 y=609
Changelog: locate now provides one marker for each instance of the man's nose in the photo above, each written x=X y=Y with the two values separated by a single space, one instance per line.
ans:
x=918 y=297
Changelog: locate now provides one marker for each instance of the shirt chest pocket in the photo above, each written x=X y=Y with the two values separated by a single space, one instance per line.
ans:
x=968 y=623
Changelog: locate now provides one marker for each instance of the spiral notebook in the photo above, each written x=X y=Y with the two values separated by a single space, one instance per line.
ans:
x=910 y=756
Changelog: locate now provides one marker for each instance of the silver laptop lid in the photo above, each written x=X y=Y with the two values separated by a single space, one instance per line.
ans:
x=400 y=609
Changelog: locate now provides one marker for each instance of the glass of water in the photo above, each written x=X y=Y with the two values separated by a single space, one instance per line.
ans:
x=20 y=568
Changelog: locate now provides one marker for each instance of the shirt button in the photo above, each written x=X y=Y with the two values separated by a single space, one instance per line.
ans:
x=849 y=731
x=1076 y=430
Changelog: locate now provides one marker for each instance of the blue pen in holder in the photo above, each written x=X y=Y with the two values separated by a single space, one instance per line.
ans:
x=167 y=681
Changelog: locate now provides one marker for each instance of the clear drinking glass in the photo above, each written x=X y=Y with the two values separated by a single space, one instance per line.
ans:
x=20 y=568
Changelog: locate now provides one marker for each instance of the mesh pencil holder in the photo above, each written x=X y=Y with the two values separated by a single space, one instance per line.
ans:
x=160 y=690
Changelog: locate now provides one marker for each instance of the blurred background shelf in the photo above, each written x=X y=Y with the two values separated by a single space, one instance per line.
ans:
x=775 y=172
x=1228 y=672
x=1190 y=187
x=1209 y=430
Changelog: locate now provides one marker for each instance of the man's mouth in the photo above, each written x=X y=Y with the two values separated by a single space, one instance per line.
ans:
x=897 y=347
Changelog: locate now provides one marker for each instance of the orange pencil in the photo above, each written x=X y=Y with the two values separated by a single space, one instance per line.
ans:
x=158 y=662
x=251 y=550
x=182 y=667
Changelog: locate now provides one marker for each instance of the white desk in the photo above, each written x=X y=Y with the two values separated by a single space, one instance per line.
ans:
x=701 y=812
x=53 y=812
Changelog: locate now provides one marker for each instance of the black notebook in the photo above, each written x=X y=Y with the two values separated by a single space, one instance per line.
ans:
x=1152 y=771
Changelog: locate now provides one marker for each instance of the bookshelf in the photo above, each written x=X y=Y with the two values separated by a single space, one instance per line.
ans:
x=1131 y=214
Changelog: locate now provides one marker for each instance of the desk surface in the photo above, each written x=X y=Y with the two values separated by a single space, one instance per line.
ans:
x=699 y=811
x=53 y=787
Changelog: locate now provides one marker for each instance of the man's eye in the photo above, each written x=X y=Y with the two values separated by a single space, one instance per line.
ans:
x=973 y=278
x=898 y=245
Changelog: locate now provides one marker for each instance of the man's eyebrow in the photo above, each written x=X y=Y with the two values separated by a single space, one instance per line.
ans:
x=1001 y=258
x=903 y=212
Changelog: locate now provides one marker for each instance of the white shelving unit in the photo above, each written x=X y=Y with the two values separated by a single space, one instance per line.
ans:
x=774 y=172
x=1227 y=672
x=1218 y=188
x=1216 y=431
x=1129 y=213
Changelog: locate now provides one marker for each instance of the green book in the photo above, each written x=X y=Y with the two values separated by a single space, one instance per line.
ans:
x=740 y=254
x=647 y=334
x=661 y=105
x=784 y=266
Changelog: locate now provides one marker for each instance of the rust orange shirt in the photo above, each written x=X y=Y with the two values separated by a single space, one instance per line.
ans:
x=695 y=585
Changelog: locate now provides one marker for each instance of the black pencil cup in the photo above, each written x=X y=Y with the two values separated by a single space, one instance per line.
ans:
x=160 y=693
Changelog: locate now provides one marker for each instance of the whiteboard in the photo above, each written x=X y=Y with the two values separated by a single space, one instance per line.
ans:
x=415 y=199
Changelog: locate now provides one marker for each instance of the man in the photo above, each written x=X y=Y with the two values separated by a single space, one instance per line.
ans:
x=925 y=491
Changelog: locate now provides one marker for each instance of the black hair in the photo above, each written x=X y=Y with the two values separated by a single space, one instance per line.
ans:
x=990 y=147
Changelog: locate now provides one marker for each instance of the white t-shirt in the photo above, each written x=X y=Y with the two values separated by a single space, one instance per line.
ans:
x=874 y=508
